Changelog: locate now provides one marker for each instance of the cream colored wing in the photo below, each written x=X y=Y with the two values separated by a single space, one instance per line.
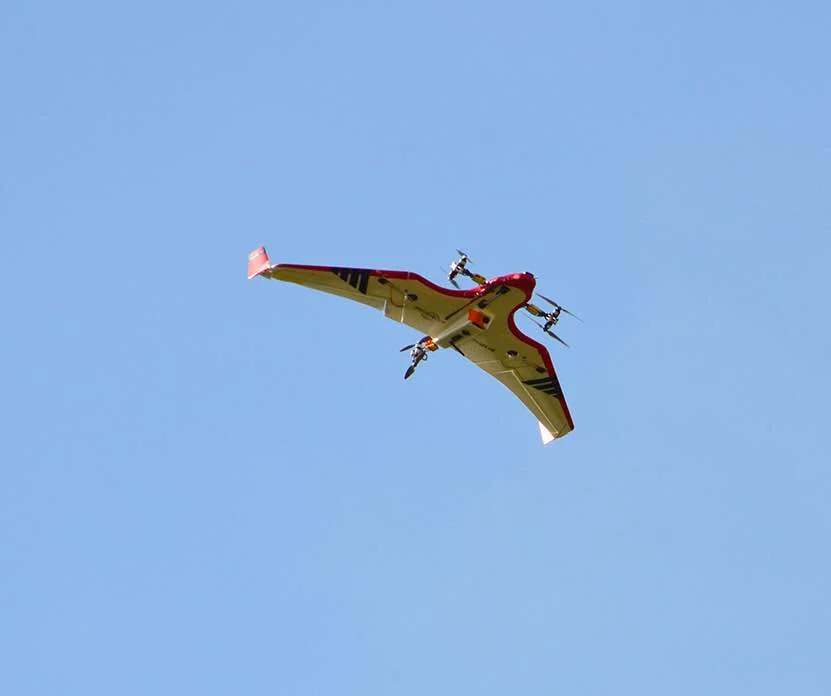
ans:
x=402 y=296
x=525 y=367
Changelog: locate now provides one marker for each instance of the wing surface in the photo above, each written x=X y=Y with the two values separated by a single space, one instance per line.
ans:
x=402 y=296
x=525 y=367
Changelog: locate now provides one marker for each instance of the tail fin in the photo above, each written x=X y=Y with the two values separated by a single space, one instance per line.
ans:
x=258 y=262
x=546 y=434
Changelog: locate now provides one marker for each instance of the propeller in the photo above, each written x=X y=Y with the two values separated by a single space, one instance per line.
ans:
x=559 y=306
x=417 y=343
x=550 y=333
x=418 y=353
x=459 y=267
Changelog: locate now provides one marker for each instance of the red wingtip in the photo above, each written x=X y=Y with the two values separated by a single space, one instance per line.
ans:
x=257 y=262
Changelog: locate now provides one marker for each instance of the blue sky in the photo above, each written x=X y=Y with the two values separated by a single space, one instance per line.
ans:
x=219 y=486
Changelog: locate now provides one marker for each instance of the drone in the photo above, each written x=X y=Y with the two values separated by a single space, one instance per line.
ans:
x=478 y=323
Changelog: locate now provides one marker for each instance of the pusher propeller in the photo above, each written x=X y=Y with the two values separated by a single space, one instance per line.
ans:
x=459 y=267
x=418 y=353
x=551 y=333
x=559 y=307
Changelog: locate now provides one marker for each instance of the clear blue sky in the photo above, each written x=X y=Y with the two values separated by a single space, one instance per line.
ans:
x=215 y=486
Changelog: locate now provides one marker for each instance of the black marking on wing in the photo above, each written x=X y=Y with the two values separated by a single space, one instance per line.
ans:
x=358 y=278
x=549 y=385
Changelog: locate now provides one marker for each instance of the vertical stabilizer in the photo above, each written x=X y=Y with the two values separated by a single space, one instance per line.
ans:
x=257 y=262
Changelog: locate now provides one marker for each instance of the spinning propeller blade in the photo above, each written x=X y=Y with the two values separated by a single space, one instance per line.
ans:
x=412 y=345
x=461 y=253
x=551 y=333
x=409 y=372
x=559 y=306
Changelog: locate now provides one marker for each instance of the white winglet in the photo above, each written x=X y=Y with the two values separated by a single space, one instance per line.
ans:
x=545 y=434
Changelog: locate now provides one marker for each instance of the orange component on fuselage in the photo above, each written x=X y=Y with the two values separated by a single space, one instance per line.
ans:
x=476 y=318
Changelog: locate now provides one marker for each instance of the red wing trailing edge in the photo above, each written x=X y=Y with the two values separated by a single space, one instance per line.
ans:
x=477 y=323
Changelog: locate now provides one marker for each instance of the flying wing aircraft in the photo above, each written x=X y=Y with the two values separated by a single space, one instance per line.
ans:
x=478 y=323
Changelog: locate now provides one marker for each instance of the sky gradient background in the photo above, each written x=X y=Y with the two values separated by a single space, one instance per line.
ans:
x=216 y=486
